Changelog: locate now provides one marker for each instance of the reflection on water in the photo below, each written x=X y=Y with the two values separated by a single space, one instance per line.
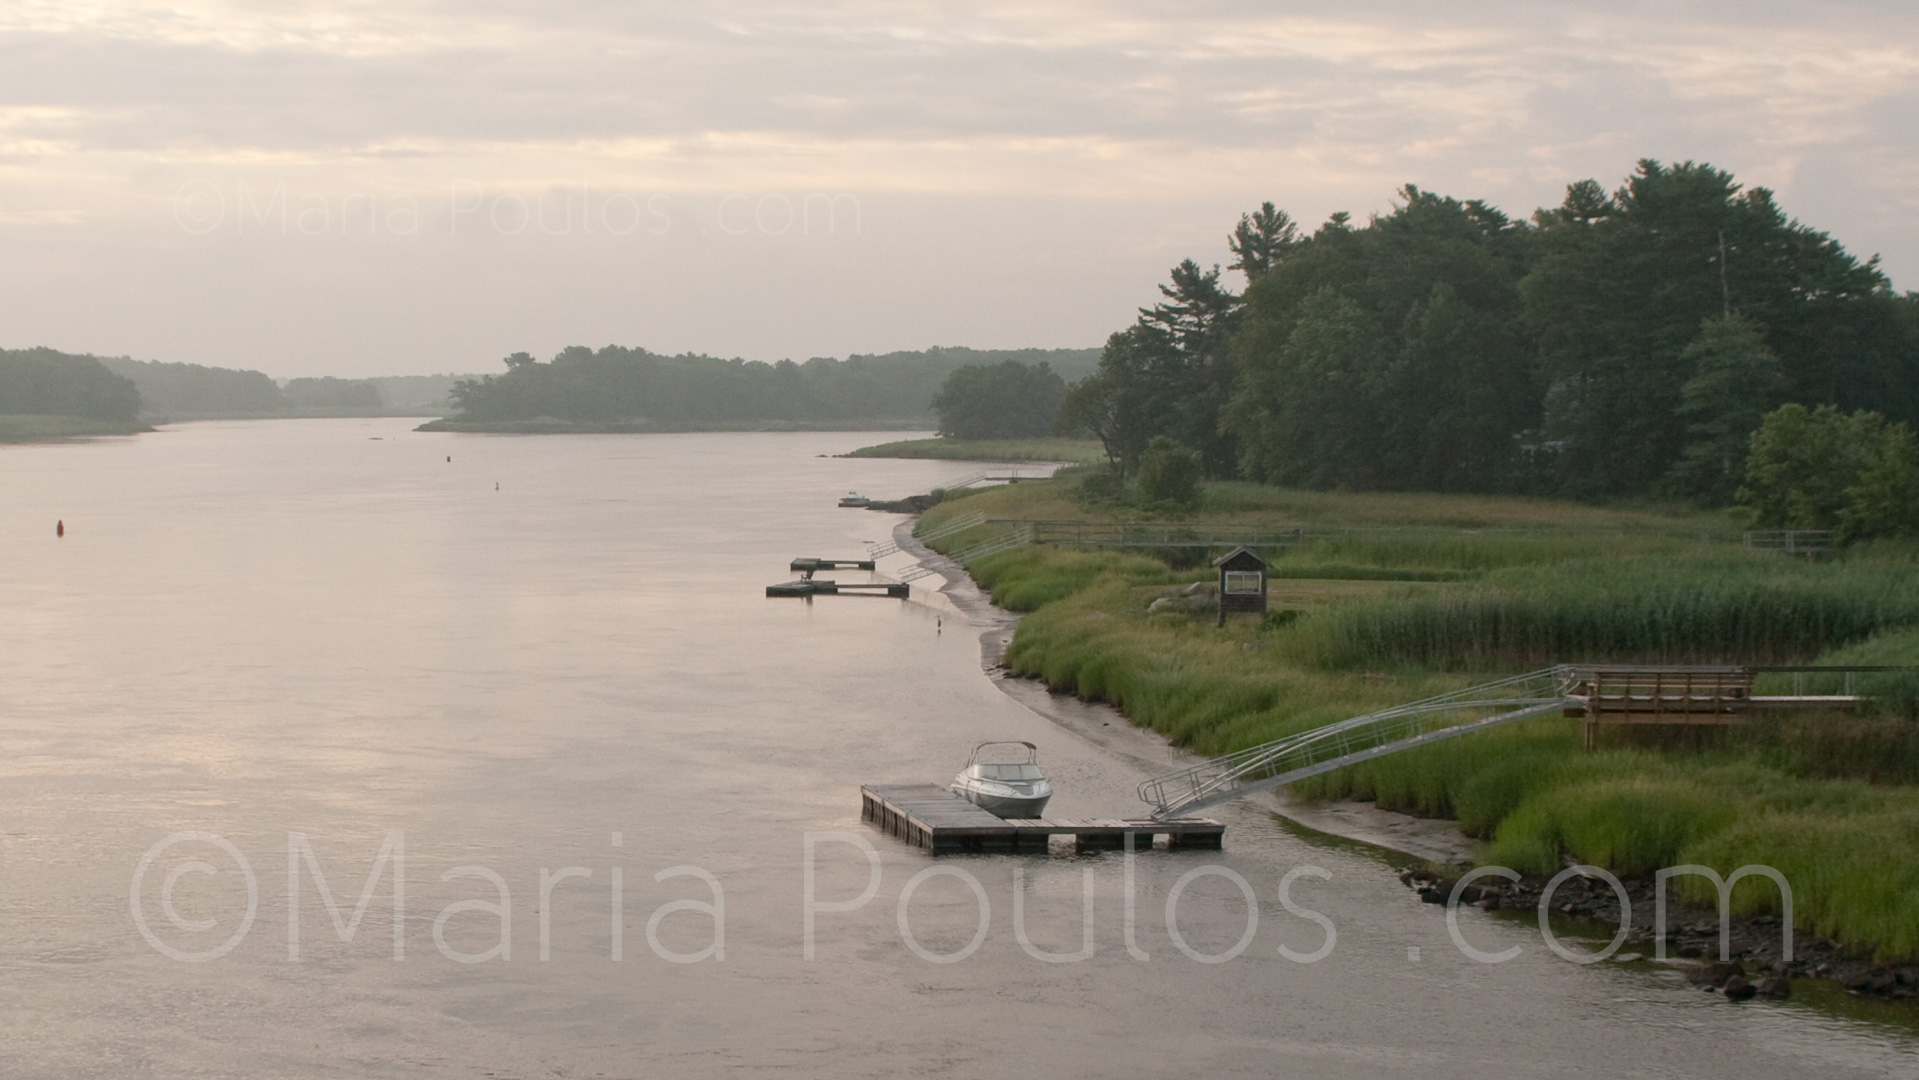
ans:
x=547 y=702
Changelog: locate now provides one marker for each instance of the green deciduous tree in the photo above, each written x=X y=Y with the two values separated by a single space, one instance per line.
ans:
x=1169 y=473
x=1735 y=380
x=1884 y=499
x=1117 y=404
x=1008 y=400
x=1805 y=465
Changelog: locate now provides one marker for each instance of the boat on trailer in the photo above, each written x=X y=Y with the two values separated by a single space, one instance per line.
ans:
x=1008 y=789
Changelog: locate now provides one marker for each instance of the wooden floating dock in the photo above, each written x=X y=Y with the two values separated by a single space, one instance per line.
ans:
x=823 y=587
x=1685 y=695
x=807 y=565
x=936 y=820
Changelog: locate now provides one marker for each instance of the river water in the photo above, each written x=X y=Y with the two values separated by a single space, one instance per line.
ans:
x=325 y=638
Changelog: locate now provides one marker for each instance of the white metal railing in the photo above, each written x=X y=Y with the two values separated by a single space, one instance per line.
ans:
x=1792 y=541
x=952 y=528
x=1010 y=473
x=990 y=546
x=1348 y=742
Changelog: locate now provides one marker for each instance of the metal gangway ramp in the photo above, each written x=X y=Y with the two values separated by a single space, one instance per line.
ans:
x=992 y=545
x=1596 y=693
x=952 y=528
x=1348 y=742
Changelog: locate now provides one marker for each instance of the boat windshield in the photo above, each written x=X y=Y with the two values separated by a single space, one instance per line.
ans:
x=1023 y=771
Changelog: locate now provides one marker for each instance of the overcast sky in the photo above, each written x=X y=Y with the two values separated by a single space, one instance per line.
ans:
x=411 y=186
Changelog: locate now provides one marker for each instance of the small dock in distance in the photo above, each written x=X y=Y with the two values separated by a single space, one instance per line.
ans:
x=807 y=566
x=937 y=821
x=824 y=587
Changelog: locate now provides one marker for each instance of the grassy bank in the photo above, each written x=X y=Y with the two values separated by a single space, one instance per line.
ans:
x=1077 y=451
x=18 y=428
x=1512 y=585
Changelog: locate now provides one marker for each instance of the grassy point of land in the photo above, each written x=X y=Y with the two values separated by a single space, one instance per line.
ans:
x=17 y=428
x=1489 y=587
x=1243 y=503
x=1076 y=451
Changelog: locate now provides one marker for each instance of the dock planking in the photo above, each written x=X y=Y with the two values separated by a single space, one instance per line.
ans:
x=824 y=587
x=934 y=819
x=807 y=565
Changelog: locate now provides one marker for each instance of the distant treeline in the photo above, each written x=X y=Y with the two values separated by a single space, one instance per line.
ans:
x=50 y=383
x=1622 y=343
x=196 y=390
x=620 y=388
x=42 y=382
x=188 y=391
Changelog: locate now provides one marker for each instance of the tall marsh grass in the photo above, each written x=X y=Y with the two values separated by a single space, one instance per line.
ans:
x=1699 y=609
x=1180 y=678
x=1495 y=549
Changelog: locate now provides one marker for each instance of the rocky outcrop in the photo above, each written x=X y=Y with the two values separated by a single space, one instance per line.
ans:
x=1757 y=967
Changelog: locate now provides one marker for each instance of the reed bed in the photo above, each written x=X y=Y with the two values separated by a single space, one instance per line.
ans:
x=1715 y=608
x=1478 y=551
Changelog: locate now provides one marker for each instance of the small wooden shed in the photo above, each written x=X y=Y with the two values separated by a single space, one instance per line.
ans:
x=1242 y=582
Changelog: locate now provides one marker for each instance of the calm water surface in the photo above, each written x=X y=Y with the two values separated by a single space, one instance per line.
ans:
x=326 y=628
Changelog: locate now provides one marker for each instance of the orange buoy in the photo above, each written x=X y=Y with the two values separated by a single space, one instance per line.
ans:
x=60 y=527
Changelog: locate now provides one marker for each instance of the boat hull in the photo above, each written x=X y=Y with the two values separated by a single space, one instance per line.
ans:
x=1006 y=806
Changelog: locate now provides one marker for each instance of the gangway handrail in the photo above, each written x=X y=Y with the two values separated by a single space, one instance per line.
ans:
x=1575 y=688
x=1360 y=738
x=990 y=546
x=1012 y=473
x=952 y=528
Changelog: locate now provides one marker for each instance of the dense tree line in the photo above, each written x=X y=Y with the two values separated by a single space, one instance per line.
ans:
x=42 y=382
x=173 y=390
x=168 y=389
x=328 y=394
x=615 y=384
x=1622 y=343
x=1007 y=400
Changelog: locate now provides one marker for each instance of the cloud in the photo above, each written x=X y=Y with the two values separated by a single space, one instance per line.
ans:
x=1189 y=110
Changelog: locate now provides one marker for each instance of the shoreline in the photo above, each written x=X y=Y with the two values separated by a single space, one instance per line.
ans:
x=24 y=428
x=1435 y=840
x=1030 y=451
x=639 y=426
x=1757 y=968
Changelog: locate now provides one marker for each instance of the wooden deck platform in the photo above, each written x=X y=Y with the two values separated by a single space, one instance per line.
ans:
x=936 y=820
x=824 y=587
x=807 y=565
x=1646 y=694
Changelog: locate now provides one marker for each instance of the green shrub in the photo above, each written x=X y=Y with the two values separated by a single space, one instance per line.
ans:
x=1169 y=473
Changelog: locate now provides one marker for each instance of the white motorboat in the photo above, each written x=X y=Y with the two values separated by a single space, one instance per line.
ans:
x=854 y=498
x=1009 y=789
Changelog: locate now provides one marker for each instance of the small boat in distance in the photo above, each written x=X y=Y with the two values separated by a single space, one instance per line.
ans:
x=854 y=498
x=1008 y=789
